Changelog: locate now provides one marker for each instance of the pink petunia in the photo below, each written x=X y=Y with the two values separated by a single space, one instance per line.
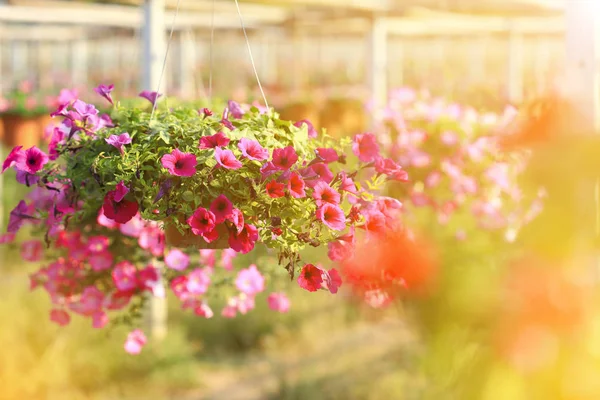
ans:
x=32 y=161
x=332 y=216
x=136 y=340
x=342 y=248
x=179 y=163
x=150 y=96
x=332 y=281
x=267 y=170
x=32 y=250
x=14 y=156
x=203 y=310
x=235 y=109
x=222 y=208
x=210 y=142
x=18 y=216
x=284 y=159
x=60 y=317
x=99 y=319
x=149 y=279
x=102 y=220
x=198 y=281
x=118 y=141
x=327 y=155
x=243 y=242
x=237 y=219
x=134 y=227
x=311 y=278
x=177 y=260
x=104 y=91
x=278 y=302
x=100 y=261
x=202 y=221
x=120 y=191
x=312 y=132
x=252 y=150
x=275 y=189
x=226 y=159
x=323 y=193
x=365 y=147
x=296 y=186
x=250 y=281
x=318 y=172
x=124 y=276
x=390 y=168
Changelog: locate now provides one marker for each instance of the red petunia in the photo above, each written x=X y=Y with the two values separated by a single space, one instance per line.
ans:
x=222 y=208
x=283 y=159
x=243 y=242
x=311 y=278
x=275 y=189
x=202 y=221
x=217 y=140
x=296 y=186
x=119 y=211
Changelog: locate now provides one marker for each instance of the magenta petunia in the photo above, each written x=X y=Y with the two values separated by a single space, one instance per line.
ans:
x=283 y=159
x=61 y=317
x=237 y=219
x=323 y=193
x=14 y=156
x=311 y=278
x=267 y=170
x=243 y=242
x=124 y=276
x=332 y=280
x=296 y=186
x=118 y=141
x=101 y=261
x=150 y=96
x=202 y=221
x=18 y=216
x=332 y=216
x=58 y=136
x=217 y=140
x=389 y=167
x=179 y=163
x=365 y=147
x=327 y=155
x=275 y=189
x=252 y=150
x=119 y=211
x=222 y=208
x=104 y=91
x=235 y=109
x=121 y=191
x=226 y=159
x=32 y=160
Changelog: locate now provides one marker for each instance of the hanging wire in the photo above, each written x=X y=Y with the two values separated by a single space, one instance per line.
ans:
x=162 y=71
x=250 y=53
x=212 y=40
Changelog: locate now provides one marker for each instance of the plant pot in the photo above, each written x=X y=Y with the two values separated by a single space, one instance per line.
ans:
x=175 y=238
x=21 y=131
x=343 y=118
x=44 y=121
x=299 y=111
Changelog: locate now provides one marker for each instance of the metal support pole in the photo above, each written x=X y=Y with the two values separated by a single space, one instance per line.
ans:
x=378 y=70
x=515 y=67
x=154 y=43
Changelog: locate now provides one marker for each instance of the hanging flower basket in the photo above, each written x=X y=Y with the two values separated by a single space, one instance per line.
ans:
x=21 y=130
x=111 y=191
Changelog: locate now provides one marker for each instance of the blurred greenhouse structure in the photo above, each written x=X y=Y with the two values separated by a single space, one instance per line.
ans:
x=479 y=119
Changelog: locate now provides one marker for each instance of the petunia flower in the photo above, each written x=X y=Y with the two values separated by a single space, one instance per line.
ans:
x=235 y=109
x=275 y=189
x=150 y=96
x=332 y=216
x=296 y=186
x=342 y=248
x=237 y=219
x=243 y=242
x=365 y=147
x=101 y=261
x=252 y=150
x=97 y=244
x=124 y=276
x=177 y=260
x=212 y=141
x=267 y=170
x=105 y=91
x=222 y=208
x=312 y=132
x=389 y=167
x=323 y=193
x=119 y=141
x=136 y=340
x=32 y=250
x=311 y=278
x=121 y=191
x=99 y=319
x=198 y=281
x=61 y=317
x=21 y=213
x=278 y=302
x=179 y=163
x=32 y=160
x=332 y=280
x=14 y=156
x=202 y=221
x=119 y=211
x=250 y=281
x=226 y=159
x=327 y=155
x=203 y=310
x=283 y=159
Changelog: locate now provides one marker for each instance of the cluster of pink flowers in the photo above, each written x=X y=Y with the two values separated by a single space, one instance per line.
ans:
x=453 y=156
